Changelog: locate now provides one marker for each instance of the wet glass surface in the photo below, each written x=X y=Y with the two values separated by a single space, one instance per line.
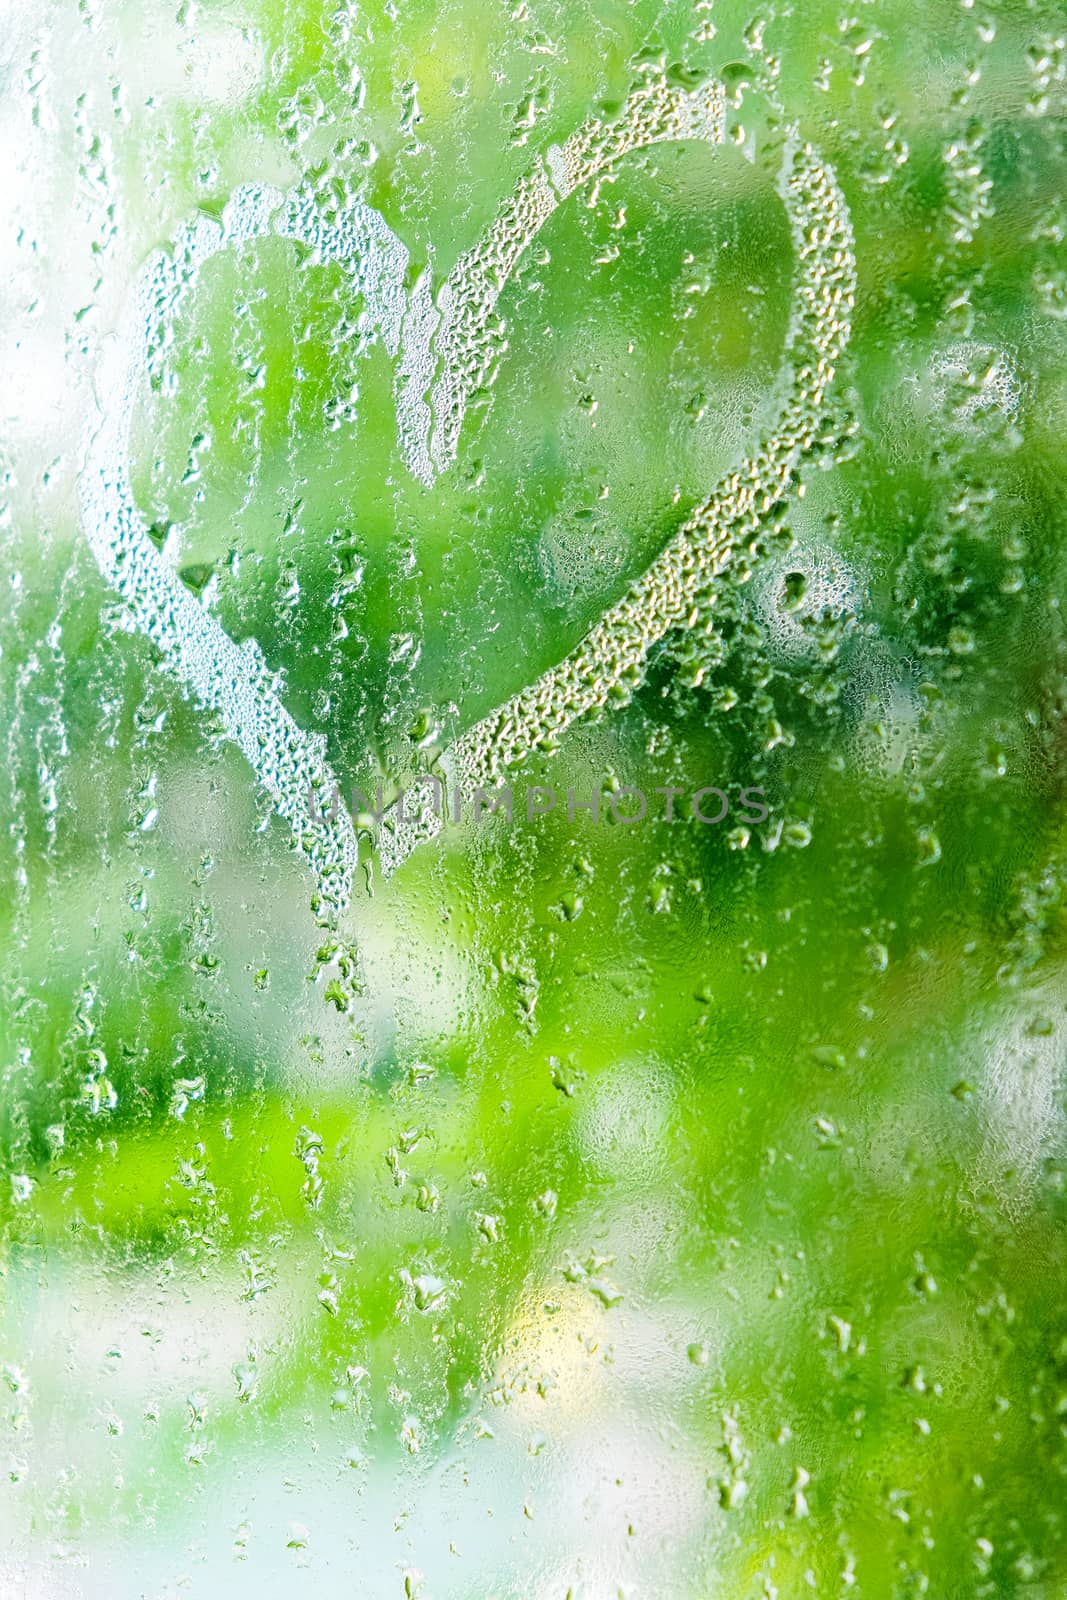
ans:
x=636 y=429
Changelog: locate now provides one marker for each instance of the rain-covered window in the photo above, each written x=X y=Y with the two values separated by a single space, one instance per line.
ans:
x=534 y=702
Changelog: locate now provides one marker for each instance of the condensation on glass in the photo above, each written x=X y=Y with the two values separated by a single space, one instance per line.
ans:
x=600 y=1190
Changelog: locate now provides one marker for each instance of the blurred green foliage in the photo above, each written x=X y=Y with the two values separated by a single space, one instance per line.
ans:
x=655 y=1210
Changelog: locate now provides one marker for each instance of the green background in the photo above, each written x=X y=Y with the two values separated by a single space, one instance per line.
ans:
x=597 y=1210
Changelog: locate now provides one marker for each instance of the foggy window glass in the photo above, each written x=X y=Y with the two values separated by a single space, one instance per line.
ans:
x=532 y=677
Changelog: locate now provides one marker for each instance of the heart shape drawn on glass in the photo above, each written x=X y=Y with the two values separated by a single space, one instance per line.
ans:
x=445 y=348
